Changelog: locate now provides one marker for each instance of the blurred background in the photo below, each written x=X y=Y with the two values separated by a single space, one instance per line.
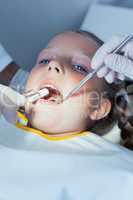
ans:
x=27 y=25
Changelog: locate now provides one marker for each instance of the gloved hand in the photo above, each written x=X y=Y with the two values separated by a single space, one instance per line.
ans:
x=115 y=66
x=10 y=101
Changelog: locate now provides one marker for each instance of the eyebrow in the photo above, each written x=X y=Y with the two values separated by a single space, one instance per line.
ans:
x=47 y=50
x=50 y=49
x=85 y=57
x=79 y=55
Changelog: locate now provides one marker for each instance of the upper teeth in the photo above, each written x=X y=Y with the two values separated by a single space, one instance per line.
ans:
x=51 y=86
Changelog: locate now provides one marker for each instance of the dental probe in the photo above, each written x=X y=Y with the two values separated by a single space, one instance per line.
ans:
x=93 y=73
x=18 y=99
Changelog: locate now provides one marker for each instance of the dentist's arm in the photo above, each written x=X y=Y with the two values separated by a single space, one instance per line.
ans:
x=8 y=67
x=115 y=66
x=10 y=74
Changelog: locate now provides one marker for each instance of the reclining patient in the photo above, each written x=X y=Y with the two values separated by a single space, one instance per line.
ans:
x=76 y=163
x=60 y=67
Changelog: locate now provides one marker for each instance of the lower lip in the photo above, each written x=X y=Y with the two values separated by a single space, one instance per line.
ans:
x=43 y=101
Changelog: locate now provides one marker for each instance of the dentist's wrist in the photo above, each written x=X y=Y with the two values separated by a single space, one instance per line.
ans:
x=8 y=73
x=8 y=67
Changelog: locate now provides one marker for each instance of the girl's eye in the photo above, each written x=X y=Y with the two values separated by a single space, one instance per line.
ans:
x=80 y=69
x=44 y=61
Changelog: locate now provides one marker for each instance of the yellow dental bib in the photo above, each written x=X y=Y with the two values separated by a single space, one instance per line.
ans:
x=22 y=123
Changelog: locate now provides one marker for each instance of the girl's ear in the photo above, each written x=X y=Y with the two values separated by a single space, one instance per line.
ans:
x=102 y=110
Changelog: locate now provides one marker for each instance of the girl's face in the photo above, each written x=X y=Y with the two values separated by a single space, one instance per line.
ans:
x=62 y=64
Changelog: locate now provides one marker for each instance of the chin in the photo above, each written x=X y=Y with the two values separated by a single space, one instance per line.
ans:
x=45 y=125
x=59 y=118
x=55 y=126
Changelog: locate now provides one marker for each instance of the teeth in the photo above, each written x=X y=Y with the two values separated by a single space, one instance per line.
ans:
x=50 y=86
x=54 y=94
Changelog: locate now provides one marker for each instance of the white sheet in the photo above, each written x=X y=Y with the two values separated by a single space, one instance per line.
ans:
x=100 y=172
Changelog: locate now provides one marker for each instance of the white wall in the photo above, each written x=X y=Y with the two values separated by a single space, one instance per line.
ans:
x=26 y=25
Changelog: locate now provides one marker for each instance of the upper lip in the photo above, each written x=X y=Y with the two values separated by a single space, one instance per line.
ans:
x=49 y=85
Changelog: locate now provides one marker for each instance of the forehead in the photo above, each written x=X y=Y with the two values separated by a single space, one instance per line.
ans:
x=73 y=42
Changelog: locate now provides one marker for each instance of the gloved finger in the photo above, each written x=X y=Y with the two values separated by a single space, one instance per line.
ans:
x=128 y=50
x=102 y=72
x=105 y=49
x=29 y=107
x=120 y=76
x=110 y=77
x=120 y=64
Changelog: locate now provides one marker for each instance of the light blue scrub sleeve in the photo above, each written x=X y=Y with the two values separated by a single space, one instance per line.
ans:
x=19 y=80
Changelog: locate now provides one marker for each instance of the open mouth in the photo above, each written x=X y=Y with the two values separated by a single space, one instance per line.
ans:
x=54 y=95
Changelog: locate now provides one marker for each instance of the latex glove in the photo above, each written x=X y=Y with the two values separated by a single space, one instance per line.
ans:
x=10 y=101
x=115 y=66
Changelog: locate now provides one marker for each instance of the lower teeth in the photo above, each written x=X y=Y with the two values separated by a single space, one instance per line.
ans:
x=56 y=99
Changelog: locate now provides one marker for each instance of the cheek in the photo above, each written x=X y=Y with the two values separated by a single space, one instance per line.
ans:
x=72 y=80
x=33 y=78
x=75 y=80
x=36 y=71
x=75 y=77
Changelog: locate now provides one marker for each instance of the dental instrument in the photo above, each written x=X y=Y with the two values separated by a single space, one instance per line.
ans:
x=20 y=100
x=35 y=95
x=93 y=73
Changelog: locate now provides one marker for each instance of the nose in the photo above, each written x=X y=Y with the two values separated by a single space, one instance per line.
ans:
x=55 y=67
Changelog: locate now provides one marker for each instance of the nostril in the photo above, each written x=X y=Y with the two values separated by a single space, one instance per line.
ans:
x=57 y=69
